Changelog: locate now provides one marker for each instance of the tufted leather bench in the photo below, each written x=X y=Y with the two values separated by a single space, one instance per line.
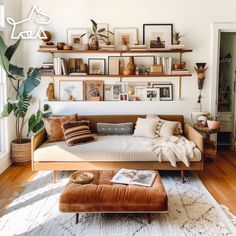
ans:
x=101 y=195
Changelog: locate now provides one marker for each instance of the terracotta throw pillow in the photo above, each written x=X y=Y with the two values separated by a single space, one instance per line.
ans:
x=77 y=132
x=54 y=129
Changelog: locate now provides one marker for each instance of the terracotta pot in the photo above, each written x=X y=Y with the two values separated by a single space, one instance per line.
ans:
x=94 y=45
x=176 y=42
x=213 y=124
x=21 y=152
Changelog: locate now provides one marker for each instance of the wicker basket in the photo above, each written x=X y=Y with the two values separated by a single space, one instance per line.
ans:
x=21 y=152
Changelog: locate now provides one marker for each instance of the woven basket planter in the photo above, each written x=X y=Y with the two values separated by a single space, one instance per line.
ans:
x=21 y=152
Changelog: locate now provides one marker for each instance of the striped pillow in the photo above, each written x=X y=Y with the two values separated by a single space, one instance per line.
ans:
x=77 y=132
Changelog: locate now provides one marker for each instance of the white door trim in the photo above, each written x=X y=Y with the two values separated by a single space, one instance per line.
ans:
x=217 y=28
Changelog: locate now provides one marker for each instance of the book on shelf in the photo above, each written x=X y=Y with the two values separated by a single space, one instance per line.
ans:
x=78 y=73
x=107 y=47
x=135 y=177
x=180 y=46
x=48 y=47
x=167 y=65
x=180 y=71
x=60 y=66
x=44 y=71
x=47 y=65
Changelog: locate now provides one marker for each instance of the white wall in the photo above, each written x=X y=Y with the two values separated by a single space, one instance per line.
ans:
x=193 y=18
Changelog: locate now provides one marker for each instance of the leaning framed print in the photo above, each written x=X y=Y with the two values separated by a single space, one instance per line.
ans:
x=74 y=38
x=97 y=66
x=125 y=36
x=152 y=94
x=70 y=90
x=93 y=90
x=157 y=36
x=166 y=91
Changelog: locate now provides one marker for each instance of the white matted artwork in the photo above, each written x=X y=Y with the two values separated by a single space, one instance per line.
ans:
x=125 y=36
x=140 y=92
x=166 y=91
x=74 y=38
x=68 y=88
x=113 y=91
x=152 y=94
x=157 y=36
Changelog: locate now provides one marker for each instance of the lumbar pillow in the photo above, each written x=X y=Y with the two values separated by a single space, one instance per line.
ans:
x=115 y=129
x=146 y=128
x=53 y=126
x=168 y=128
x=77 y=132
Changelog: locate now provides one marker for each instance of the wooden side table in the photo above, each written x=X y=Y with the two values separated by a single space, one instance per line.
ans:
x=210 y=149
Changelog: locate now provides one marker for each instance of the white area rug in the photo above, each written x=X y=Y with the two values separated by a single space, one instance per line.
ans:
x=192 y=211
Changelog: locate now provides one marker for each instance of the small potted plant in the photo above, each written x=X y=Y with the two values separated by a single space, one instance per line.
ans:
x=213 y=122
x=177 y=36
x=96 y=35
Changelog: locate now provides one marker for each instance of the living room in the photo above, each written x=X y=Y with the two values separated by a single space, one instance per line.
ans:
x=117 y=117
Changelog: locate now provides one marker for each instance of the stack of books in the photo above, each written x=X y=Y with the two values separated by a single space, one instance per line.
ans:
x=180 y=71
x=107 y=47
x=48 y=47
x=60 y=66
x=180 y=46
x=167 y=65
x=137 y=47
x=47 y=68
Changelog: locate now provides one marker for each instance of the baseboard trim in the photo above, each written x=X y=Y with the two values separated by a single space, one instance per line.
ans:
x=5 y=162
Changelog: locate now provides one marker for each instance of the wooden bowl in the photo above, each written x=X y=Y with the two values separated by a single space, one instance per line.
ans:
x=81 y=177
x=67 y=47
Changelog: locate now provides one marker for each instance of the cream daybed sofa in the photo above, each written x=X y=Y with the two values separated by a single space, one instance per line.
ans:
x=110 y=152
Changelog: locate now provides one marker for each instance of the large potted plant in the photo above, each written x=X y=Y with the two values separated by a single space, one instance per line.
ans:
x=23 y=85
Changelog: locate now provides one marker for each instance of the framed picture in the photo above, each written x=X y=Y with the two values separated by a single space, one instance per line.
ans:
x=125 y=36
x=113 y=92
x=70 y=90
x=123 y=97
x=140 y=92
x=74 y=38
x=93 y=90
x=152 y=94
x=166 y=91
x=97 y=66
x=157 y=36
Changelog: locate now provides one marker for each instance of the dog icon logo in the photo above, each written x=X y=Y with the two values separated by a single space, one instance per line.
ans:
x=37 y=17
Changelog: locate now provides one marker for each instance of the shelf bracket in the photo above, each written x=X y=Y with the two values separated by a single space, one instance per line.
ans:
x=180 y=87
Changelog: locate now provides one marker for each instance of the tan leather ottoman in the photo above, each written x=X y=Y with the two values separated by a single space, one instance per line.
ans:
x=103 y=196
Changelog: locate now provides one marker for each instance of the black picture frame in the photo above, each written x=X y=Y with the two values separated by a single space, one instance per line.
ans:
x=166 y=91
x=159 y=44
x=90 y=60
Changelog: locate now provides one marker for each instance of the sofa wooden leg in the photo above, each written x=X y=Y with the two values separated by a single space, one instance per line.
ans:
x=182 y=176
x=54 y=176
x=149 y=218
x=77 y=218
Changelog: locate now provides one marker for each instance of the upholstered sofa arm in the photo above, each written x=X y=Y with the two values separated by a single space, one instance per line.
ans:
x=193 y=135
x=37 y=140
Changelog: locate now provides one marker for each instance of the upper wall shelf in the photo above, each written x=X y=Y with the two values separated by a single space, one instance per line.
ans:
x=117 y=51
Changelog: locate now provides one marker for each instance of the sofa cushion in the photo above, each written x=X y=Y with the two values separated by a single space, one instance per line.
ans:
x=53 y=126
x=77 y=132
x=106 y=148
x=115 y=129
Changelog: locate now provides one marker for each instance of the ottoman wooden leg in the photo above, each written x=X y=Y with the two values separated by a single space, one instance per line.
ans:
x=149 y=219
x=182 y=176
x=77 y=218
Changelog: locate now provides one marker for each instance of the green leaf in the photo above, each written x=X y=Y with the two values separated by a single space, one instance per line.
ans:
x=47 y=114
x=31 y=123
x=11 y=50
x=91 y=36
x=10 y=107
x=22 y=105
x=46 y=107
x=110 y=32
x=103 y=36
x=7 y=109
x=95 y=25
x=38 y=126
x=39 y=115
x=101 y=30
x=17 y=71
x=83 y=35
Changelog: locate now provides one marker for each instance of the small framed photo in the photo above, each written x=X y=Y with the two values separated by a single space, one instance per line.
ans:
x=152 y=94
x=125 y=36
x=166 y=91
x=119 y=88
x=97 y=66
x=123 y=97
x=93 y=90
x=140 y=92
x=70 y=90
x=157 y=36
x=74 y=38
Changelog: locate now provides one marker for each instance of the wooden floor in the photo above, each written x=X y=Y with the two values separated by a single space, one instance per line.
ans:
x=219 y=177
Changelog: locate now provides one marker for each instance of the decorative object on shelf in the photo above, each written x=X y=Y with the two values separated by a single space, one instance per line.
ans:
x=75 y=40
x=50 y=92
x=200 y=69
x=22 y=85
x=197 y=117
x=124 y=37
x=97 y=34
x=140 y=93
x=123 y=97
x=46 y=36
x=97 y=66
x=60 y=45
x=67 y=47
x=156 y=69
x=131 y=67
x=176 y=38
x=179 y=66
x=213 y=122
x=70 y=90
x=113 y=91
x=83 y=68
x=152 y=94
x=166 y=91
x=156 y=36
x=75 y=65
x=93 y=90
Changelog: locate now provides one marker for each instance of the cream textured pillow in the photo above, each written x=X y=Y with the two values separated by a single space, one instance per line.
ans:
x=146 y=128
x=168 y=128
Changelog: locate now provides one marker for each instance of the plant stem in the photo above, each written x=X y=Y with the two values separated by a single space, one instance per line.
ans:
x=21 y=128
x=13 y=85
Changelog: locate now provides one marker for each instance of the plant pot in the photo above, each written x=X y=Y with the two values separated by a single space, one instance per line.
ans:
x=94 y=45
x=96 y=99
x=176 y=42
x=213 y=124
x=21 y=152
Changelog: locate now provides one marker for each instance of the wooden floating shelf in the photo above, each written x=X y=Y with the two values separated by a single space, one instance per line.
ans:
x=117 y=51
x=115 y=76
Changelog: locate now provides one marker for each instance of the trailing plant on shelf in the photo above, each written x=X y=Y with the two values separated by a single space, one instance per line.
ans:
x=177 y=36
x=23 y=85
x=97 y=35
